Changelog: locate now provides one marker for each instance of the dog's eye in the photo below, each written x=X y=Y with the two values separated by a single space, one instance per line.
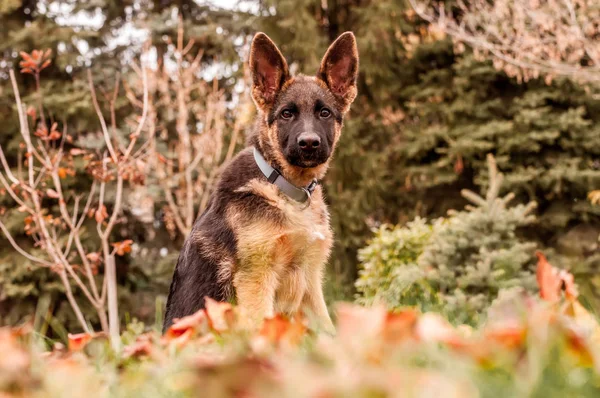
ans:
x=325 y=113
x=286 y=114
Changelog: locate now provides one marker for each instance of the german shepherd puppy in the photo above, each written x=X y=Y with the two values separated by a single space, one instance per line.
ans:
x=264 y=238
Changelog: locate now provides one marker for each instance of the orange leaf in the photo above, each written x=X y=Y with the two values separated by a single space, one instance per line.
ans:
x=184 y=328
x=399 y=326
x=101 y=214
x=280 y=329
x=123 y=247
x=220 y=315
x=78 y=341
x=55 y=135
x=27 y=64
x=46 y=64
x=41 y=132
x=551 y=280
x=25 y=56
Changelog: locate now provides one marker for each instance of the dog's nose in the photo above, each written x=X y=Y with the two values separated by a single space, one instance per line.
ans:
x=308 y=141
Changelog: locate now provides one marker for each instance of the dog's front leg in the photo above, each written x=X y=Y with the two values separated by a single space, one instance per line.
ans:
x=314 y=303
x=255 y=293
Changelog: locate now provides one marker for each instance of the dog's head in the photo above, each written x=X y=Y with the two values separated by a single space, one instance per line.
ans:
x=303 y=114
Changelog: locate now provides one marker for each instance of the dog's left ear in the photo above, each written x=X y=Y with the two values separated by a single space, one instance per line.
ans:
x=269 y=71
x=339 y=68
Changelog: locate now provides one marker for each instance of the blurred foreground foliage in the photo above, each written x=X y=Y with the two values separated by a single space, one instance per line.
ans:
x=529 y=347
x=426 y=116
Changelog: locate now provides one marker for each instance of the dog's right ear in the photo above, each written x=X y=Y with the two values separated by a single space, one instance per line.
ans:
x=268 y=69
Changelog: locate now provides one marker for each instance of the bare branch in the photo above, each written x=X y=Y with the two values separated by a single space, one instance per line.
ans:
x=107 y=139
x=20 y=250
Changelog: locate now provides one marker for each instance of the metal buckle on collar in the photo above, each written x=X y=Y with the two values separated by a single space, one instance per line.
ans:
x=309 y=190
x=311 y=187
x=308 y=198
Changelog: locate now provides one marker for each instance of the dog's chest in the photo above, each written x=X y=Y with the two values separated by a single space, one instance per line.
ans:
x=307 y=231
x=300 y=237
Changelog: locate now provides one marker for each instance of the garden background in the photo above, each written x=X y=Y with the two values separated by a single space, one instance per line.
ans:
x=436 y=126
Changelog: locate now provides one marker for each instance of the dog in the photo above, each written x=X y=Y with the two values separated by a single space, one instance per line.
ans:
x=264 y=239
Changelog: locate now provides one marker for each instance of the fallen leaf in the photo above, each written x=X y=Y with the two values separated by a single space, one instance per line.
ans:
x=278 y=330
x=78 y=341
x=182 y=329
x=220 y=315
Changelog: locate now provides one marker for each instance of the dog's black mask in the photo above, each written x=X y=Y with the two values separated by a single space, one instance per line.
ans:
x=305 y=116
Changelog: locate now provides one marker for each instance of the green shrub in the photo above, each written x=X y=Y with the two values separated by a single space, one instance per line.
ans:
x=458 y=264
x=390 y=273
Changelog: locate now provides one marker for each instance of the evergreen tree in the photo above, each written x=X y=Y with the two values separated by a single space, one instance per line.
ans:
x=457 y=265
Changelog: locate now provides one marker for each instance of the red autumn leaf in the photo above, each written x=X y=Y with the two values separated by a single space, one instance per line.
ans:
x=78 y=341
x=101 y=214
x=123 y=247
x=184 y=328
x=35 y=54
x=52 y=194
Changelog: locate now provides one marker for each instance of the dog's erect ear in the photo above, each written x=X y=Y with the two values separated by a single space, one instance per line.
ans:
x=339 y=68
x=269 y=70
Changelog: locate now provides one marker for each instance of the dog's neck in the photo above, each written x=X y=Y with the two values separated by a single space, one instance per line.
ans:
x=299 y=176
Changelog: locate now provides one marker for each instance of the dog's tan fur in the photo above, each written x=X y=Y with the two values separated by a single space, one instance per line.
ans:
x=283 y=261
